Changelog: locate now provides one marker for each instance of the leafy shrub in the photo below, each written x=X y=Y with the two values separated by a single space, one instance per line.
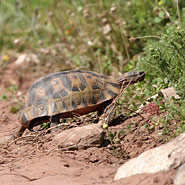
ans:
x=165 y=60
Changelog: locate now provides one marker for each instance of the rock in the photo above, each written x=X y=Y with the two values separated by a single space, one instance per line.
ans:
x=180 y=176
x=169 y=93
x=17 y=42
x=163 y=158
x=26 y=58
x=80 y=137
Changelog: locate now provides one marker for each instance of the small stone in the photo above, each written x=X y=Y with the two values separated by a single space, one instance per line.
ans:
x=89 y=43
x=16 y=42
x=27 y=58
x=106 y=29
x=19 y=93
x=21 y=59
x=169 y=93
x=113 y=9
x=104 y=21
x=51 y=14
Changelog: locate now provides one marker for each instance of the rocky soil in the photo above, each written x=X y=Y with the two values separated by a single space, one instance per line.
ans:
x=34 y=159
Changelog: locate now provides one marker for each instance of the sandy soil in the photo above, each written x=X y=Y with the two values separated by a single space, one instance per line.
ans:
x=34 y=160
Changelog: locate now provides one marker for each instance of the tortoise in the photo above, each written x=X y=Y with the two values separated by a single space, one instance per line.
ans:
x=68 y=93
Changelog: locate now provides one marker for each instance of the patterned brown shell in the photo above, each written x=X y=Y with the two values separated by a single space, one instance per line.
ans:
x=65 y=92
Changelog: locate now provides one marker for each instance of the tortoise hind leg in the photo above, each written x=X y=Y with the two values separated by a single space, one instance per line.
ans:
x=54 y=121
x=104 y=106
x=102 y=110
x=18 y=133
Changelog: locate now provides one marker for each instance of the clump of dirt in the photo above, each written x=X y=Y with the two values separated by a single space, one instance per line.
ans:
x=34 y=159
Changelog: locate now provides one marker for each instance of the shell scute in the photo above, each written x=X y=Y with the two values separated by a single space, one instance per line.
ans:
x=66 y=82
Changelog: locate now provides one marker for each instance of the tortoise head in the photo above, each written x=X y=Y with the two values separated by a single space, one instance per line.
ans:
x=131 y=77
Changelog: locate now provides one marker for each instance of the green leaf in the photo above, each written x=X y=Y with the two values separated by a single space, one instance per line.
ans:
x=3 y=97
x=161 y=15
x=157 y=20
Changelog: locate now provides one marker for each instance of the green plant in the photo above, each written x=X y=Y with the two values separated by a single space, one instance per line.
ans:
x=14 y=109
x=181 y=128
x=164 y=62
x=115 y=137
x=44 y=126
x=3 y=97
x=13 y=88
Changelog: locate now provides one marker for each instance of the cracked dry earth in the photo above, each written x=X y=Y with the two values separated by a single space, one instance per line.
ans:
x=34 y=160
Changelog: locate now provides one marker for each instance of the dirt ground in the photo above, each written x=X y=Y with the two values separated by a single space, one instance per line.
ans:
x=34 y=160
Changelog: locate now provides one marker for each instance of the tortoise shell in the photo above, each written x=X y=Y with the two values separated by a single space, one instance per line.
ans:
x=65 y=94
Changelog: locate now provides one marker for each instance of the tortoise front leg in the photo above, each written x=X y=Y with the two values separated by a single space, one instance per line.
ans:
x=108 y=115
